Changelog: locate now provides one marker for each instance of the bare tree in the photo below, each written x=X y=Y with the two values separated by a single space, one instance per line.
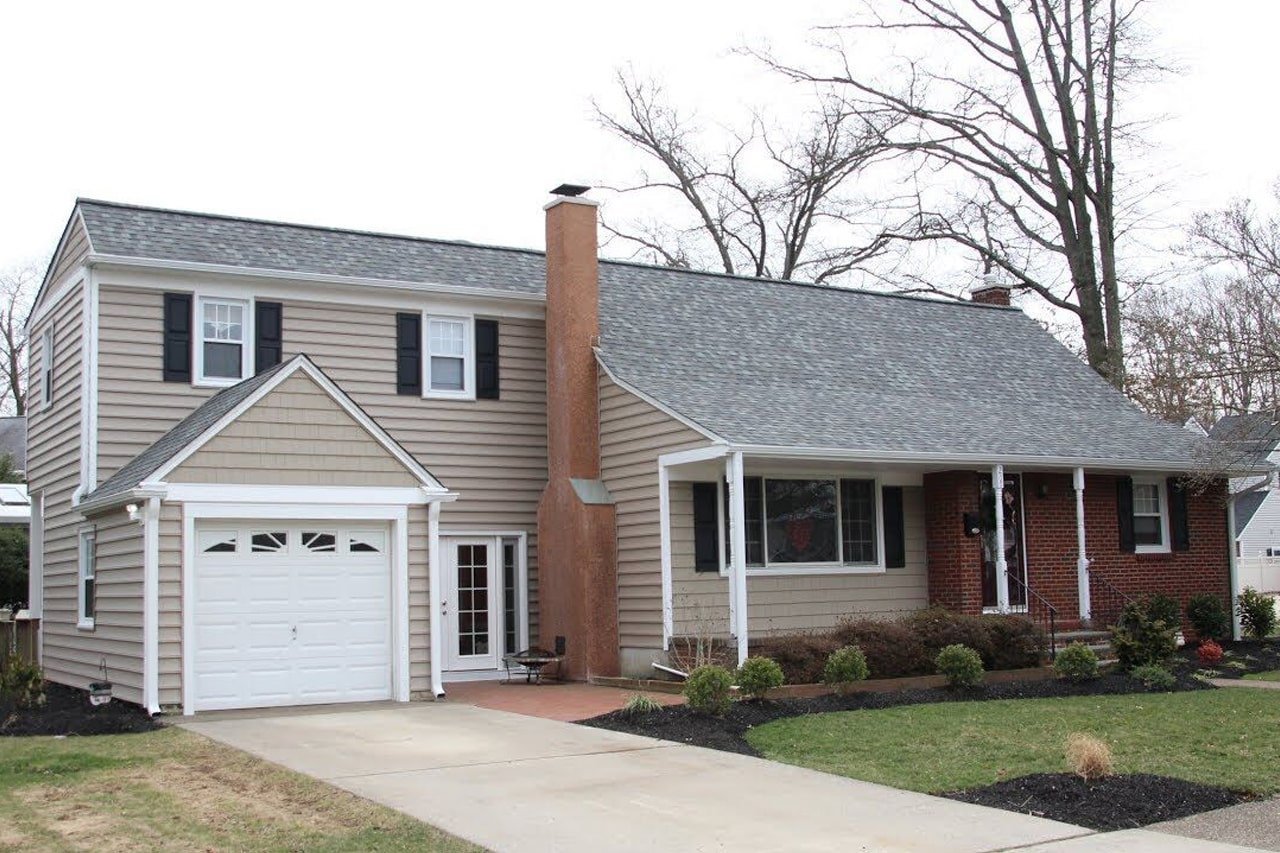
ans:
x=1027 y=132
x=768 y=205
x=17 y=288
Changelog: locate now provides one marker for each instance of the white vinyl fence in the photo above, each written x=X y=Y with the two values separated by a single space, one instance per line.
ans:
x=1261 y=573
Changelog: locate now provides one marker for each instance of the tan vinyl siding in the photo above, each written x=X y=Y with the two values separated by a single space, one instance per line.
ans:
x=784 y=604
x=633 y=434
x=419 y=601
x=117 y=632
x=74 y=250
x=297 y=435
x=493 y=452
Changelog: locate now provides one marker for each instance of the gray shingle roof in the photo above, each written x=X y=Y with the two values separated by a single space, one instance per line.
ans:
x=208 y=413
x=143 y=232
x=13 y=440
x=759 y=362
x=1252 y=435
x=1246 y=505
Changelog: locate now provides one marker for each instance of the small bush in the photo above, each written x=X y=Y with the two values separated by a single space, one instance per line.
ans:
x=1257 y=613
x=961 y=665
x=801 y=656
x=1088 y=757
x=1141 y=639
x=892 y=649
x=938 y=628
x=1154 y=677
x=709 y=689
x=1209 y=653
x=639 y=704
x=1163 y=607
x=22 y=683
x=845 y=666
x=1016 y=642
x=1077 y=662
x=1208 y=615
x=758 y=675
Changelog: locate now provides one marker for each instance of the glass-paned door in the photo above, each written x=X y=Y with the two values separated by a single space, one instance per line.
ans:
x=470 y=604
x=1017 y=568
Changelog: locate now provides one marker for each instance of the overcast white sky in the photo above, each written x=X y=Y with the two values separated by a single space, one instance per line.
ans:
x=454 y=122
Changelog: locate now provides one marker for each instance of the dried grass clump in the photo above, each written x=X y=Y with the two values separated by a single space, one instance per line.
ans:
x=1088 y=757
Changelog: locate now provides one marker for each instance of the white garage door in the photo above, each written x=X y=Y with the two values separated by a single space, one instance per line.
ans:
x=291 y=614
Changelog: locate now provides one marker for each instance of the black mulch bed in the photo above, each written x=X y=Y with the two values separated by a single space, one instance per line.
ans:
x=67 y=712
x=1241 y=658
x=680 y=723
x=1116 y=802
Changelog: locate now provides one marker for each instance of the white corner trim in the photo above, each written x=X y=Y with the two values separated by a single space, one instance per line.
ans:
x=88 y=386
x=151 y=606
x=436 y=627
x=304 y=364
x=660 y=406
x=400 y=598
x=188 y=608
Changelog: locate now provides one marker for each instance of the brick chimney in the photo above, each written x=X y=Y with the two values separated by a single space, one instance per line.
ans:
x=992 y=291
x=577 y=535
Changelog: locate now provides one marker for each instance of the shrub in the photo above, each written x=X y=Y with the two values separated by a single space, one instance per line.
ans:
x=639 y=704
x=1209 y=653
x=757 y=676
x=892 y=649
x=1088 y=757
x=1077 y=662
x=961 y=665
x=1257 y=613
x=845 y=666
x=1154 y=677
x=1141 y=640
x=1164 y=608
x=801 y=656
x=13 y=565
x=22 y=683
x=1208 y=615
x=1016 y=642
x=708 y=690
x=938 y=628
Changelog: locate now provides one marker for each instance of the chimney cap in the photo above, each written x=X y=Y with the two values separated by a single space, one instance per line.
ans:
x=570 y=190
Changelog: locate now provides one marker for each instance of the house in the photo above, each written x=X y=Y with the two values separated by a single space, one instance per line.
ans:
x=277 y=464
x=1254 y=437
x=13 y=442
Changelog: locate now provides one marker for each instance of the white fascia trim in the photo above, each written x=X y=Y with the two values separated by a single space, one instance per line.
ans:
x=305 y=364
x=698 y=454
x=151 y=606
x=657 y=404
x=977 y=460
x=135 y=495
x=127 y=262
x=88 y=388
x=358 y=496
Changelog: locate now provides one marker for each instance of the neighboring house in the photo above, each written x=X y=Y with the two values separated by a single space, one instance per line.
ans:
x=13 y=442
x=276 y=464
x=1254 y=438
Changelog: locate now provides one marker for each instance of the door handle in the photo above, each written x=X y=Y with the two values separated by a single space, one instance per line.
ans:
x=295 y=632
x=444 y=607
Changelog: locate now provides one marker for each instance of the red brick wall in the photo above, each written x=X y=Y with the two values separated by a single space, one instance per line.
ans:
x=955 y=568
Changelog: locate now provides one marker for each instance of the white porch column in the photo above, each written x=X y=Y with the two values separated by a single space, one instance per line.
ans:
x=434 y=593
x=1233 y=569
x=1002 y=566
x=1082 y=561
x=738 y=560
x=151 y=606
x=664 y=539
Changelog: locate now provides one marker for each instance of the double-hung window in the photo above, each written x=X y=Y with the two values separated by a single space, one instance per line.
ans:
x=222 y=352
x=1150 y=516
x=449 y=365
x=88 y=578
x=46 y=366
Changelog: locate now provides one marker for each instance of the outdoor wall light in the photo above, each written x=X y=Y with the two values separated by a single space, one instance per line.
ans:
x=1043 y=490
x=972 y=524
x=132 y=509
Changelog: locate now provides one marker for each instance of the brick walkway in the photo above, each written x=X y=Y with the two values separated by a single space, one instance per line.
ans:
x=566 y=702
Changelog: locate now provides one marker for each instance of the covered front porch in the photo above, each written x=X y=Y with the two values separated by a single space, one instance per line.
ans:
x=762 y=541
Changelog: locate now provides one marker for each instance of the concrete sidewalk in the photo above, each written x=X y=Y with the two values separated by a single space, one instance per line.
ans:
x=1256 y=824
x=518 y=783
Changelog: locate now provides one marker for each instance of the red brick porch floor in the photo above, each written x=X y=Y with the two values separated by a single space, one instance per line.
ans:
x=568 y=701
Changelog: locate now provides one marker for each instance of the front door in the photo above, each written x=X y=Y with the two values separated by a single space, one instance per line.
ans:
x=470 y=604
x=1017 y=568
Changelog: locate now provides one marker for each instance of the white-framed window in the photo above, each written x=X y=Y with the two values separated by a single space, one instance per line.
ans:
x=449 y=363
x=222 y=354
x=1150 y=515
x=46 y=367
x=88 y=593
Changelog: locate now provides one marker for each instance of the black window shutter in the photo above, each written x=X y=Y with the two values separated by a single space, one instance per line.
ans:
x=1124 y=512
x=753 y=510
x=895 y=533
x=408 y=353
x=177 y=337
x=487 y=359
x=1178 y=529
x=268 y=334
x=706 y=528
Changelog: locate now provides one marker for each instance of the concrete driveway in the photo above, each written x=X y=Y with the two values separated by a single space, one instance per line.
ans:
x=517 y=783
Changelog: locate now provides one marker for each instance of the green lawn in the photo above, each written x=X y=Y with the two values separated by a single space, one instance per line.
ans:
x=1219 y=737
x=1273 y=675
x=174 y=790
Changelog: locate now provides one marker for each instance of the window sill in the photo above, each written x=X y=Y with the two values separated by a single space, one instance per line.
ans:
x=448 y=395
x=85 y=625
x=215 y=383
x=798 y=569
x=1152 y=549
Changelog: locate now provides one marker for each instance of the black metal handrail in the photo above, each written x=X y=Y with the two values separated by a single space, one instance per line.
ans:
x=1040 y=609
x=1105 y=609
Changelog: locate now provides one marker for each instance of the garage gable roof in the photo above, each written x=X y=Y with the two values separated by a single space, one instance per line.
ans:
x=212 y=416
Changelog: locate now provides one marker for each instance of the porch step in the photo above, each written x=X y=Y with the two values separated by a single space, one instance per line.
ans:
x=1099 y=641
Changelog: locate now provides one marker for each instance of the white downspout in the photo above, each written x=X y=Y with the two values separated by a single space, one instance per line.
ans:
x=1232 y=568
x=151 y=606
x=738 y=569
x=1002 y=565
x=1082 y=561
x=433 y=592
x=664 y=536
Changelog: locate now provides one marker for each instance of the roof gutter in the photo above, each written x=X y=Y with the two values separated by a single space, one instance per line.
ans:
x=138 y=494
